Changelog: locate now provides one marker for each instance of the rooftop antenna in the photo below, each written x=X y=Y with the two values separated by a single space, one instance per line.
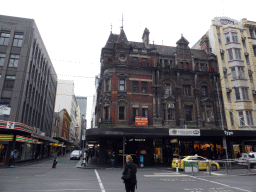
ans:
x=111 y=28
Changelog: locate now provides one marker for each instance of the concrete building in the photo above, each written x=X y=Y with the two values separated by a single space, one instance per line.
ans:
x=94 y=99
x=66 y=99
x=82 y=104
x=234 y=44
x=28 y=86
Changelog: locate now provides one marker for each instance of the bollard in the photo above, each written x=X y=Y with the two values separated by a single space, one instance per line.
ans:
x=192 y=169
x=226 y=168
x=177 y=168
x=249 y=167
x=209 y=167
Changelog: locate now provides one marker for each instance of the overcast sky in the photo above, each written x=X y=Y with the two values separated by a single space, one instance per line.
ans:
x=75 y=31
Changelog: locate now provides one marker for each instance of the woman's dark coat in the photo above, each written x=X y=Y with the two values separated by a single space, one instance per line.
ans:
x=133 y=167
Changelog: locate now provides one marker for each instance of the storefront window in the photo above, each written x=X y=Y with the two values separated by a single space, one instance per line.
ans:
x=206 y=149
x=236 y=150
x=158 y=156
x=248 y=148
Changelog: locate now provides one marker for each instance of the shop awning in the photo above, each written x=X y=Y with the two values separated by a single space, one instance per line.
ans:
x=11 y=128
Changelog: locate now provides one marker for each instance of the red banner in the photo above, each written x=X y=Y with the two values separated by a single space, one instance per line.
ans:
x=141 y=121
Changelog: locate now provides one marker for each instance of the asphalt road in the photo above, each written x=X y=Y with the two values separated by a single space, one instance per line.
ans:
x=67 y=177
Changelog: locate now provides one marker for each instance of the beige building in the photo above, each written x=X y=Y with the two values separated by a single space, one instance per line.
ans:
x=234 y=43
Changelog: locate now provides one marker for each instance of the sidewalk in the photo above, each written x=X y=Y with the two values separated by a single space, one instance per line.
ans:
x=25 y=163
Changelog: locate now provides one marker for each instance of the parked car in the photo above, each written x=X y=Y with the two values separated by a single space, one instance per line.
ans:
x=202 y=162
x=251 y=157
x=76 y=154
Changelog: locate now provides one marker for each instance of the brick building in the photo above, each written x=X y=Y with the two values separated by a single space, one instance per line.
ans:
x=147 y=93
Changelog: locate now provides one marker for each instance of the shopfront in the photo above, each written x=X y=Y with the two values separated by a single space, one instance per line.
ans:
x=160 y=145
x=23 y=140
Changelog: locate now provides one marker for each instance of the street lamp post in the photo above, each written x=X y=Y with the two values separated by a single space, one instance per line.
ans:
x=221 y=117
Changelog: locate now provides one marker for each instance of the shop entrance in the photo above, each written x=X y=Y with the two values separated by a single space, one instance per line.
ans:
x=3 y=150
x=158 y=155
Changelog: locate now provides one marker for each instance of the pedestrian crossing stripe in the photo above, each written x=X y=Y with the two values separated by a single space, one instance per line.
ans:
x=166 y=175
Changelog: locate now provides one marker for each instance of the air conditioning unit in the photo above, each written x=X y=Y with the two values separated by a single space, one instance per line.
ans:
x=38 y=131
x=170 y=105
x=228 y=90
x=246 y=54
x=222 y=51
x=250 y=72
x=253 y=92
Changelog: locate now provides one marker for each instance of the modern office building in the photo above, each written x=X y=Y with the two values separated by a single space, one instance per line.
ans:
x=28 y=86
x=65 y=99
x=156 y=100
x=234 y=44
x=82 y=104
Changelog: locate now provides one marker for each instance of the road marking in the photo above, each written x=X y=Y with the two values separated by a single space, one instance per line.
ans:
x=166 y=175
x=39 y=175
x=99 y=180
x=63 y=190
x=216 y=173
x=219 y=183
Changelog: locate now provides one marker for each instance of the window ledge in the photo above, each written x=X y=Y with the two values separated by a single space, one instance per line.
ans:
x=243 y=101
x=232 y=43
x=236 y=60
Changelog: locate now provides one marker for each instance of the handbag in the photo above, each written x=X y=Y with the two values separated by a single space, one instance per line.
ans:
x=127 y=175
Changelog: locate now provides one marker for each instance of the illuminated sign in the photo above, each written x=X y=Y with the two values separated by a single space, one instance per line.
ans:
x=141 y=121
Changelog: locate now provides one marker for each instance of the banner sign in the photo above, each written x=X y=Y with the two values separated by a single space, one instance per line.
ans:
x=5 y=110
x=141 y=121
x=184 y=132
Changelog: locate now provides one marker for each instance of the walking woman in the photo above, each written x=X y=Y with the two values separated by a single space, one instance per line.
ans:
x=131 y=182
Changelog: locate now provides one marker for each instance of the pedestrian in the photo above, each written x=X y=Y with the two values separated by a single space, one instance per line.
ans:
x=87 y=155
x=12 y=158
x=113 y=158
x=55 y=160
x=141 y=161
x=91 y=152
x=129 y=174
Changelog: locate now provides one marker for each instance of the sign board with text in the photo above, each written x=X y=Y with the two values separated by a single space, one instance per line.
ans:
x=141 y=121
x=184 y=132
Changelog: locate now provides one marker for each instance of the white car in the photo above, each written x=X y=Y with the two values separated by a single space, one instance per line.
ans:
x=76 y=154
x=251 y=157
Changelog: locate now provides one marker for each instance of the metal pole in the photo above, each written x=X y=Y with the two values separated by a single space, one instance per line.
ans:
x=123 y=151
x=221 y=117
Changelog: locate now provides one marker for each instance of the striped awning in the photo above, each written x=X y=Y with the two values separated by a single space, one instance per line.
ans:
x=26 y=139
x=6 y=137
x=15 y=126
